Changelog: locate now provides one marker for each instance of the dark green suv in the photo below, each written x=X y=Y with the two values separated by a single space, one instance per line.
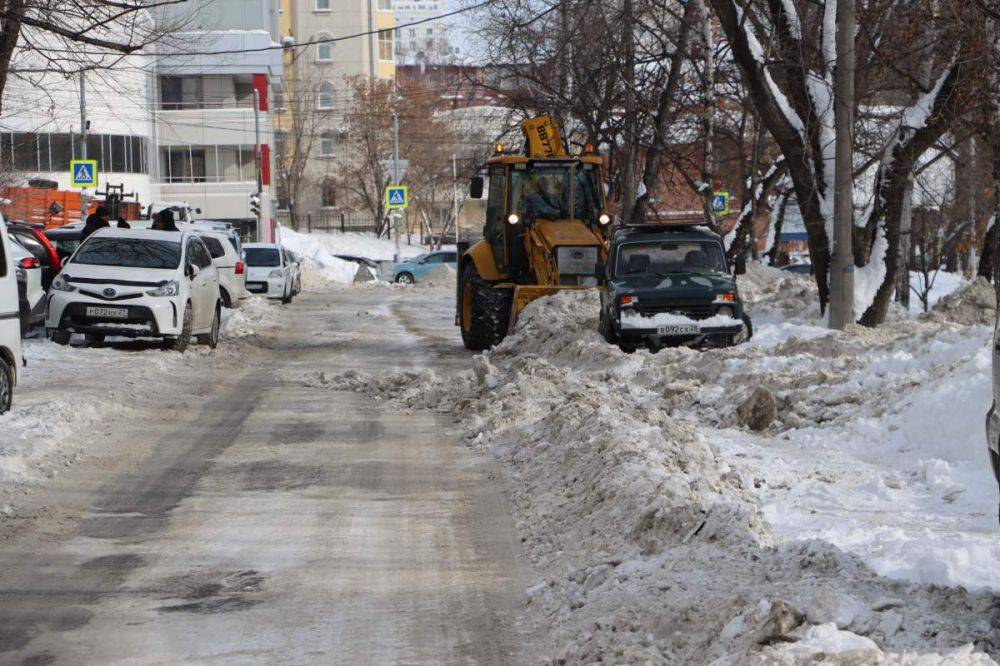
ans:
x=670 y=286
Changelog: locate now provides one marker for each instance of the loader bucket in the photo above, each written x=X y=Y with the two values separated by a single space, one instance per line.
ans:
x=525 y=293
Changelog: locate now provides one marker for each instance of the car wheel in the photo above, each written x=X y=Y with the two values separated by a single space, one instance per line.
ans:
x=405 y=278
x=6 y=385
x=607 y=329
x=286 y=298
x=227 y=302
x=182 y=341
x=94 y=338
x=484 y=310
x=212 y=337
x=61 y=337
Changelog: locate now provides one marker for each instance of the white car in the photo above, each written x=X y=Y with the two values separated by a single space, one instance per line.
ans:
x=269 y=272
x=138 y=283
x=232 y=269
x=31 y=293
x=10 y=327
x=295 y=269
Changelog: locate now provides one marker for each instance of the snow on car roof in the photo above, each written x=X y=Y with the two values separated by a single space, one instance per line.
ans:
x=273 y=246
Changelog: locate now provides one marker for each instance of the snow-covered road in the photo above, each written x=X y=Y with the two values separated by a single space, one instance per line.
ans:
x=217 y=508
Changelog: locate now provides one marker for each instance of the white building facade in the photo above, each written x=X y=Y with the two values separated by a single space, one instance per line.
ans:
x=212 y=109
x=427 y=40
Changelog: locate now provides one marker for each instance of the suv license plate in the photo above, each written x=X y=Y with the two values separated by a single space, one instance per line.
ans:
x=678 y=329
x=114 y=313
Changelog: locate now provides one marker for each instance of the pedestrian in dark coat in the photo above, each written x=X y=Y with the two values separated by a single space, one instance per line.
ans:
x=99 y=219
x=167 y=220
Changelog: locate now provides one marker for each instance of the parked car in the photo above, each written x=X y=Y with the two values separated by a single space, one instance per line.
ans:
x=30 y=293
x=232 y=269
x=65 y=239
x=10 y=330
x=798 y=269
x=268 y=271
x=34 y=241
x=138 y=283
x=417 y=268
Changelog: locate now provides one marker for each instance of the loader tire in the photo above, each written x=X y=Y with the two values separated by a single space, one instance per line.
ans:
x=484 y=311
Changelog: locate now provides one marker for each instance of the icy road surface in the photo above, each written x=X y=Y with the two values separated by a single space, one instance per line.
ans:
x=205 y=509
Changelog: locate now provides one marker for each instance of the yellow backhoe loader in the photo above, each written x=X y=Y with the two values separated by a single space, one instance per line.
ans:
x=546 y=230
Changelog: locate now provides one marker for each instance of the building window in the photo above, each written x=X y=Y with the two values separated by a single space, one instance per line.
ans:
x=384 y=5
x=178 y=93
x=42 y=153
x=322 y=5
x=430 y=31
x=413 y=32
x=324 y=100
x=324 y=49
x=385 y=45
x=207 y=164
x=327 y=141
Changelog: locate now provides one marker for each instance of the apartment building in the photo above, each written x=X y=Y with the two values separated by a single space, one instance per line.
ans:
x=213 y=106
x=318 y=75
x=420 y=35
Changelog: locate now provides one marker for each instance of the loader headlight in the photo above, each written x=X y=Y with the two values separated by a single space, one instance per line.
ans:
x=60 y=284
x=171 y=288
x=513 y=218
x=604 y=219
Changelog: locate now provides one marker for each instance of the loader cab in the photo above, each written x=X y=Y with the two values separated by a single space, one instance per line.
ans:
x=525 y=194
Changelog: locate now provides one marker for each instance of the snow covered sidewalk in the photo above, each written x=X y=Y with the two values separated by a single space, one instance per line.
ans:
x=859 y=524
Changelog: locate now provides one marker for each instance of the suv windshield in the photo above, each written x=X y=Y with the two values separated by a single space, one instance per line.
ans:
x=662 y=257
x=129 y=253
x=263 y=256
x=544 y=193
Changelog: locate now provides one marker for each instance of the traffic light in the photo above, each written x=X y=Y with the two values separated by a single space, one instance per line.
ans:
x=255 y=205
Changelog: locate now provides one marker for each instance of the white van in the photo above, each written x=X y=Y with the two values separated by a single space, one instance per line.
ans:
x=11 y=361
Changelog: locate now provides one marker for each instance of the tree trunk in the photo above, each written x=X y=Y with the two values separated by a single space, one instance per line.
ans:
x=10 y=32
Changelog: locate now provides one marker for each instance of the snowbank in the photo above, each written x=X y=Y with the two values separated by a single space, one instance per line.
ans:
x=662 y=531
x=65 y=393
x=319 y=249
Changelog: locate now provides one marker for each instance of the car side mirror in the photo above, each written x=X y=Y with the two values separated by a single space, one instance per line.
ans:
x=476 y=187
x=741 y=264
x=198 y=211
x=600 y=272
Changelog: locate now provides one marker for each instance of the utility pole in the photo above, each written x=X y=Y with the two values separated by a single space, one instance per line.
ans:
x=84 y=195
x=395 y=178
x=842 y=263
x=257 y=160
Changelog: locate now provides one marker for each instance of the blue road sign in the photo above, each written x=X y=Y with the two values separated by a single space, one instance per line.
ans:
x=397 y=196
x=720 y=202
x=83 y=173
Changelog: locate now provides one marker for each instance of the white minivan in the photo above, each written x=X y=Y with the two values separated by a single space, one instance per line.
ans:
x=232 y=269
x=10 y=326
x=269 y=271
x=138 y=283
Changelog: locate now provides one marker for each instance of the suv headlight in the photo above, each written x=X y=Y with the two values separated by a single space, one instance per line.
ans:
x=275 y=273
x=726 y=311
x=60 y=284
x=171 y=288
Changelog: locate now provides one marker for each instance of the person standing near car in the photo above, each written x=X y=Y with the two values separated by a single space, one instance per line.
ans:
x=99 y=219
x=167 y=220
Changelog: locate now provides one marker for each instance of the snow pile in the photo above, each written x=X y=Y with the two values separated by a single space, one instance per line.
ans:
x=973 y=303
x=663 y=531
x=635 y=320
x=254 y=314
x=318 y=250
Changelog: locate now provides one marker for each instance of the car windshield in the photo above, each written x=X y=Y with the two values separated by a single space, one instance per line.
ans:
x=263 y=256
x=663 y=257
x=544 y=193
x=129 y=253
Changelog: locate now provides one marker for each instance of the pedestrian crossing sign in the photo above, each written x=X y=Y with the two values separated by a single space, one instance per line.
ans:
x=720 y=202
x=83 y=173
x=397 y=197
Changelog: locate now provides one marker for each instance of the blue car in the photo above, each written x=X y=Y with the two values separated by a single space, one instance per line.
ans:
x=417 y=268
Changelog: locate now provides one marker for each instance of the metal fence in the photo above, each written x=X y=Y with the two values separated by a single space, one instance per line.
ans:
x=332 y=220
